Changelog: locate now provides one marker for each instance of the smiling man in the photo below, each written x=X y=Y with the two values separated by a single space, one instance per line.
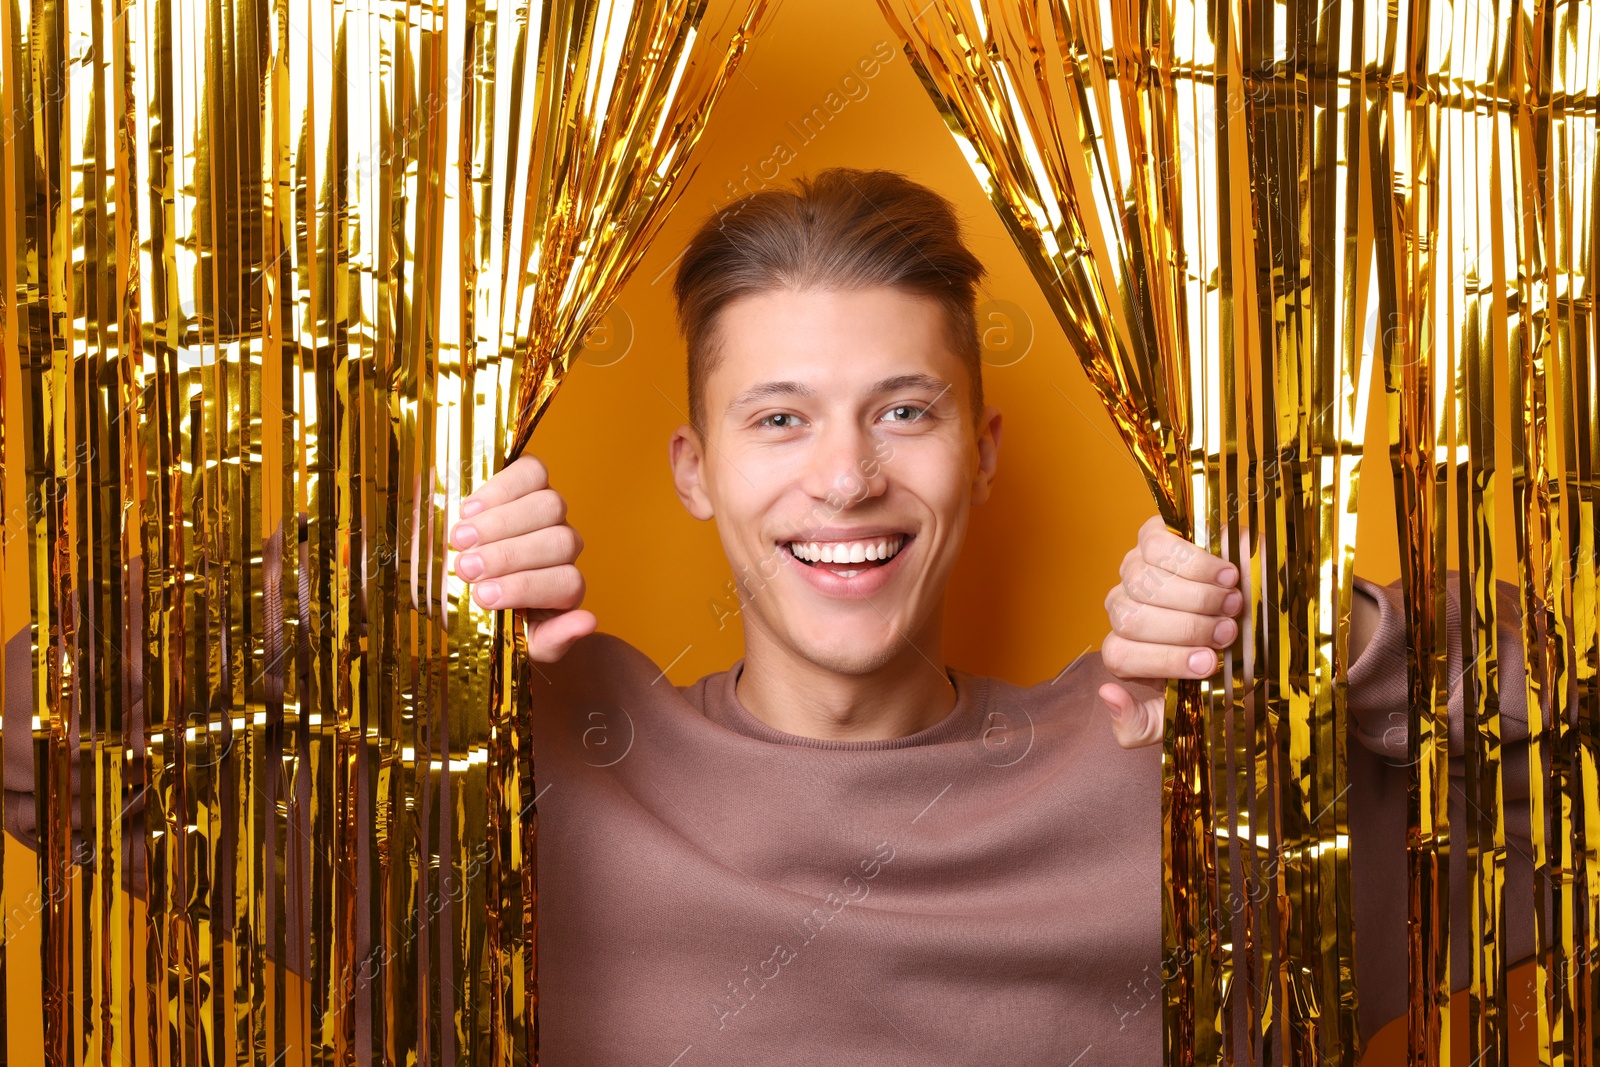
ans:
x=842 y=849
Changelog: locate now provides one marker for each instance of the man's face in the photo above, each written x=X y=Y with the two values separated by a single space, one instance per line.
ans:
x=836 y=420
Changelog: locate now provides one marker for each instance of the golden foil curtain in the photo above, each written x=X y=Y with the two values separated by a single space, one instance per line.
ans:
x=1546 y=271
x=1241 y=212
x=283 y=281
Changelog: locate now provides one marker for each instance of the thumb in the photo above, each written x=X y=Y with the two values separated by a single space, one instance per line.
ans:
x=1134 y=722
x=551 y=634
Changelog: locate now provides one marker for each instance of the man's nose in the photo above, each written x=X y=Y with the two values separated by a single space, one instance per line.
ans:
x=845 y=465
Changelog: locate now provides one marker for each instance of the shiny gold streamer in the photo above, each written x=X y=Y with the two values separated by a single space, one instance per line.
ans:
x=1229 y=207
x=1405 y=156
x=283 y=281
x=1555 y=409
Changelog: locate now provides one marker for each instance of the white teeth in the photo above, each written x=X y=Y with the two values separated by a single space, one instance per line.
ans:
x=847 y=552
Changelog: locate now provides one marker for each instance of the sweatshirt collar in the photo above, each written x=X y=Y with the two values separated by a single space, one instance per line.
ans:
x=724 y=708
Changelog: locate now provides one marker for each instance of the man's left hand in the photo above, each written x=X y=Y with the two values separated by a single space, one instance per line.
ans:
x=1175 y=607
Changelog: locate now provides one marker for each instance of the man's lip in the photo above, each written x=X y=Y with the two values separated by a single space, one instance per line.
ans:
x=868 y=581
x=839 y=533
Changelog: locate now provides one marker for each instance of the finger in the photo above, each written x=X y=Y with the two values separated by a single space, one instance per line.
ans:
x=549 y=547
x=549 y=588
x=541 y=508
x=1153 y=585
x=1131 y=559
x=521 y=476
x=1135 y=723
x=550 y=639
x=1138 y=659
x=1168 y=626
x=1163 y=548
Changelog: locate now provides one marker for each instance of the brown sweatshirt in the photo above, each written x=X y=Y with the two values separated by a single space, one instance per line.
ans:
x=987 y=890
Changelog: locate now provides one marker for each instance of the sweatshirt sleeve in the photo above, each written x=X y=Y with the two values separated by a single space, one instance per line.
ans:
x=20 y=778
x=16 y=741
x=1379 y=777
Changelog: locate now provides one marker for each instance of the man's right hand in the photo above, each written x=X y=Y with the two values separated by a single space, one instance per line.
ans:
x=518 y=551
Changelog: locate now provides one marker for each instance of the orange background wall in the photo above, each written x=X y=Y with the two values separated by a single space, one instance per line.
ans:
x=1026 y=598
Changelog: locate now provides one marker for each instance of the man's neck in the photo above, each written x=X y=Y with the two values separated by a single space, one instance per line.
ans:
x=791 y=694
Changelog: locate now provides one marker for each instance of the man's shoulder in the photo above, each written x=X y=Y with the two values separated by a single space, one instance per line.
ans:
x=1069 y=692
x=602 y=666
x=601 y=647
x=600 y=650
x=596 y=665
x=1063 y=711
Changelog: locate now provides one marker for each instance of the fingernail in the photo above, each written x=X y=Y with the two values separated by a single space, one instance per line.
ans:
x=488 y=594
x=464 y=536
x=1223 y=634
x=1232 y=603
x=469 y=566
x=1201 y=662
x=470 y=507
x=1226 y=576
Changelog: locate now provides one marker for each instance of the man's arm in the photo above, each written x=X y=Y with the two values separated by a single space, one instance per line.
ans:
x=513 y=543
x=1379 y=777
x=1150 y=634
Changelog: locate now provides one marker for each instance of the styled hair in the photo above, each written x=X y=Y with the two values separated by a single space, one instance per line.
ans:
x=842 y=229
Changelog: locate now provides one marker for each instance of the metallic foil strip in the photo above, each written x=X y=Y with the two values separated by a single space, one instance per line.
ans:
x=1404 y=127
x=1304 y=162
x=1541 y=410
x=1472 y=317
x=9 y=516
x=1562 y=373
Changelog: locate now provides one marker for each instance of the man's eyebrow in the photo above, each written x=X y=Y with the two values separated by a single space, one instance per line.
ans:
x=767 y=390
x=911 y=381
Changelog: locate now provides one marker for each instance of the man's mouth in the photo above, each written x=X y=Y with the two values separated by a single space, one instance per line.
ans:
x=849 y=558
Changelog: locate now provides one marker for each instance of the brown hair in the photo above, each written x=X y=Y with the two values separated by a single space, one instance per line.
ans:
x=841 y=229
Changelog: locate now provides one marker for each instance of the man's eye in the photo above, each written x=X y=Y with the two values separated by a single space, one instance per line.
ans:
x=920 y=412
x=766 y=420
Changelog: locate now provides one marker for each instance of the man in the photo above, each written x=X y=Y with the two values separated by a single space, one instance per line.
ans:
x=841 y=849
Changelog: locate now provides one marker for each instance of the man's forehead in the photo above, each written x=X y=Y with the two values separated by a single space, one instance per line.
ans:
x=880 y=317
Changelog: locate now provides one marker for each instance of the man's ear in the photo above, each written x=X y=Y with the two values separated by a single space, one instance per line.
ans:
x=686 y=453
x=988 y=453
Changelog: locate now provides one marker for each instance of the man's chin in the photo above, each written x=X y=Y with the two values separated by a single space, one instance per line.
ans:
x=851 y=651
